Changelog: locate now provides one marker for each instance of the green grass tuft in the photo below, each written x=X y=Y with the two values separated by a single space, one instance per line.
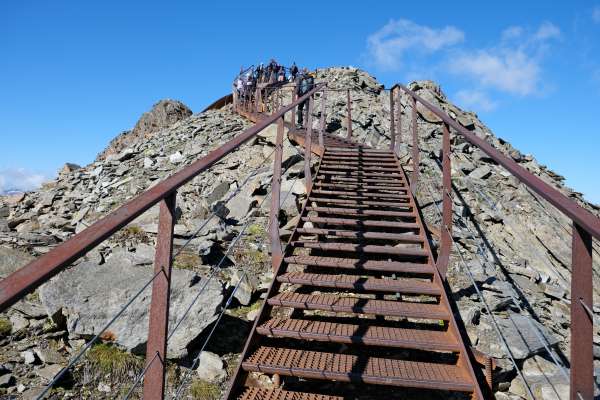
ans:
x=202 y=390
x=5 y=327
x=108 y=359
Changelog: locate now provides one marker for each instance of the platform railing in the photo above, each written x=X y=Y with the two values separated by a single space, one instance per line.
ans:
x=585 y=227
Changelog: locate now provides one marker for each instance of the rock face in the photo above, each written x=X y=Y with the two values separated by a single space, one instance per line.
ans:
x=163 y=114
x=88 y=305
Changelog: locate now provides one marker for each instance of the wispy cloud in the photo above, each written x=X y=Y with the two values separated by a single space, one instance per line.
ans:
x=475 y=99
x=387 y=46
x=512 y=66
x=596 y=14
x=19 y=179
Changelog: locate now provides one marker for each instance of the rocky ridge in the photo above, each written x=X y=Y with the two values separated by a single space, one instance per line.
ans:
x=516 y=246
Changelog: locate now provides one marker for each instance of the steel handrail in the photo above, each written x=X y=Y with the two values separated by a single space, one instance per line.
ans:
x=580 y=215
x=19 y=283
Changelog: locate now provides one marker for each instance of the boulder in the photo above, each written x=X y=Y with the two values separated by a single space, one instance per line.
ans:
x=210 y=367
x=89 y=295
x=11 y=260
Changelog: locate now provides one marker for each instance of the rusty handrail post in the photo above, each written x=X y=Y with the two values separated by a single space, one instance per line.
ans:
x=446 y=229
x=322 y=122
x=156 y=347
x=276 y=252
x=415 y=149
x=392 y=124
x=308 y=145
x=399 y=125
x=582 y=357
x=295 y=109
x=349 y=121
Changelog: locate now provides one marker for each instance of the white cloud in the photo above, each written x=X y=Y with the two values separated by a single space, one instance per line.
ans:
x=475 y=99
x=547 y=31
x=508 y=70
x=596 y=14
x=514 y=65
x=19 y=179
x=386 y=47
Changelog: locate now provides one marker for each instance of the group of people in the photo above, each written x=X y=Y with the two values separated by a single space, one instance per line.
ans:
x=248 y=80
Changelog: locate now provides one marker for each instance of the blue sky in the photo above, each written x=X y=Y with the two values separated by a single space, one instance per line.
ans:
x=74 y=74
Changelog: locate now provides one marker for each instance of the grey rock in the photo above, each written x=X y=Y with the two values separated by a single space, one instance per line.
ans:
x=245 y=288
x=176 y=158
x=49 y=356
x=18 y=322
x=210 y=367
x=7 y=380
x=48 y=372
x=11 y=260
x=89 y=295
x=481 y=172
x=28 y=356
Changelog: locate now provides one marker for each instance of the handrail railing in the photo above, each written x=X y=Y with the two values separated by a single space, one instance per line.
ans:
x=28 y=278
x=585 y=226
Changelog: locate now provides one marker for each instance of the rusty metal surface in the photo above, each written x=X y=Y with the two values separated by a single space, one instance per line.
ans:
x=582 y=326
x=156 y=347
x=446 y=229
x=278 y=394
x=276 y=252
x=363 y=369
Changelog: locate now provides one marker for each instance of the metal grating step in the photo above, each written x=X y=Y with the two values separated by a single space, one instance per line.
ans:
x=363 y=369
x=362 y=264
x=362 y=234
x=356 y=212
x=361 y=195
x=278 y=394
x=369 y=335
x=358 y=283
x=361 y=222
x=338 y=304
x=361 y=248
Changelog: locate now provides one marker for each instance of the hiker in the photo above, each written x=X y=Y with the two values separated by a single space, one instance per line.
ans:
x=239 y=86
x=305 y=84
x=293 y=71
x=281 y=76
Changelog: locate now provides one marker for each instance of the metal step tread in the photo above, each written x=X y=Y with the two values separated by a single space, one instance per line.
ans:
x=369 y=335
x=351 y=368
x=338 y=304
x=361 y=222
x=362 y=234
x=359 y=283
x=362 y=248
x=362 y=212
x=278 y=394
x=362 y=264
x=361 y=195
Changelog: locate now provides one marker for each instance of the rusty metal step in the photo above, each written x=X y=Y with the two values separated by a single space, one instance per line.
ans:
x=360 y=369
x=354 y=202
x=359 y=264
x=369 y=335
x=360 y=222
x=361 y=163
x=358 y=212
x=360 y=180
x=360 y=234
x=360 y=150
x=332 y=172
x=278 y=394
x=338 y=304
x=362 y=195
x=400 y=207
x=362 y=248
x=359 y=187
x=359 y=283
x=337 y=166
